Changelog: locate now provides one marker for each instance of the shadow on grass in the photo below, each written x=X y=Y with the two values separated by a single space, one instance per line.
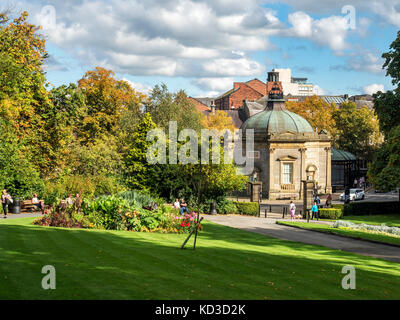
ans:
x=227 y=264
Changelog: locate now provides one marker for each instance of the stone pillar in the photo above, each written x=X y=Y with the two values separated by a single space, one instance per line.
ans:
x=328 y=183
x=271 y=172
x=302 y=169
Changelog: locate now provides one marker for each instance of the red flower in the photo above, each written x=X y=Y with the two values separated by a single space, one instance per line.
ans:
x=188 y=224
x=182 y=224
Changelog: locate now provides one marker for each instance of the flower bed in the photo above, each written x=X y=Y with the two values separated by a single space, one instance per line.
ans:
x=382 y=228
x=116 y=213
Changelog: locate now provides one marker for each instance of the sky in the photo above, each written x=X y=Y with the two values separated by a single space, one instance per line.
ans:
x=203 y=46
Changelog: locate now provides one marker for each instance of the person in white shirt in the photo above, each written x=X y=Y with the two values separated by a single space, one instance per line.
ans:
x=37 y=203
x=177 y=205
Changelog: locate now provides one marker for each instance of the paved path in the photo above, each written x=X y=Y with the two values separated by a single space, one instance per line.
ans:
x=18 y=216
x=267 y=226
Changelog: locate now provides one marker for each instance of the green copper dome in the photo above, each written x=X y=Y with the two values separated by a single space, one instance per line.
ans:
x=274 y=121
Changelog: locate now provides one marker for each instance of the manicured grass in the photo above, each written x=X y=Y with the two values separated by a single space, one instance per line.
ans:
x=228 y=264
x=359 y=234
x=389 y=220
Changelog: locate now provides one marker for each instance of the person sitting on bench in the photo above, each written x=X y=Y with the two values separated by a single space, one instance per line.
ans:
x=37 y=203
x=183 y=207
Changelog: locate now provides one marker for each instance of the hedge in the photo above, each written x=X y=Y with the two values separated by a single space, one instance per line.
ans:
x=330 y=213
x=247 y=208
x=371 y=208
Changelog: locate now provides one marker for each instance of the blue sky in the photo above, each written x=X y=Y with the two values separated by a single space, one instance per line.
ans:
x=202 y=46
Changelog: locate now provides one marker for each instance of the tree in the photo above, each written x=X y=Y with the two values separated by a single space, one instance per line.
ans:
x=18 y=173
x=392 y=61
x=107 y=99
x=23 y=95
x=219 y=121
x=357 y=130
x=316 y=111
x=165 y=106
x=385 y=170
x=387 y=105
x=139 y=173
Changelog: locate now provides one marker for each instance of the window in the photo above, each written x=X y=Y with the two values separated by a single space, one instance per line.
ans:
x=287 y=173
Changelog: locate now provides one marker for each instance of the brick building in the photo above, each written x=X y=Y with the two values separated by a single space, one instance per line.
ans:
x=251 y=90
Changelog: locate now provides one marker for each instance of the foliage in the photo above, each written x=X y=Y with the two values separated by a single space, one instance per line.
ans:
x=357 y=130
x=330 y=213
x=18 y=174
x=225 y=206
x=139 y=173
x=220 y=121
x=188 y=222
x=107 y=99
x=247 y=208
x=140 y=198
x=165 y=106
x=63 y=218
x=392 y=61
x=118 y=213
x=371 y=208
x=387 y=107
x=385 y=170
x=316 y=111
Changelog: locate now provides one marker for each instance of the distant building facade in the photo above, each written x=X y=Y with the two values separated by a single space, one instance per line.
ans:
x=295 y=86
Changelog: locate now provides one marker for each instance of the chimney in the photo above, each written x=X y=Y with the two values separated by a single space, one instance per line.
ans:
x=213 y=108
x=236 y=85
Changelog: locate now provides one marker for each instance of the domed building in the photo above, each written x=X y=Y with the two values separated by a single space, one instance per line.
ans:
x=286 y=149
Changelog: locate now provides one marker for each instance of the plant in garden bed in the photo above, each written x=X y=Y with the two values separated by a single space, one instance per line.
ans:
x=188 y=222
x=63 y=218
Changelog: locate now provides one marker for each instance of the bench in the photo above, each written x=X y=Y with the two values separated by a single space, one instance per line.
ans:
x=28 y=206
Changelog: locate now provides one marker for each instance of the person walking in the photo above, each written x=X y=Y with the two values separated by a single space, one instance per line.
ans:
x=292 y=208
x=314 y=211
x=6 y=200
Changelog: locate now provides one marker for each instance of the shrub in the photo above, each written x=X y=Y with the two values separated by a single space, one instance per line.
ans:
x=371 y=208
x=63 y=218
x=247 y=208
x=140 y=198
x=330 y=213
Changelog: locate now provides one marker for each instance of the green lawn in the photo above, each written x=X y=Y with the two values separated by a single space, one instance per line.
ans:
x=359 y=234
x=389 y=220
x=228 y=264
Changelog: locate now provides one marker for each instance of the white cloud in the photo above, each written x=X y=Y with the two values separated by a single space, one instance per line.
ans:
x=319 y=91
x=215 y=84
x=140 y=87
x=374 y=88
x=233 y=67
x=330 y=31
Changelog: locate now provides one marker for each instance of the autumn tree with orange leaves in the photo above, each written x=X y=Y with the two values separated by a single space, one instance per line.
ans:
x=316 y=111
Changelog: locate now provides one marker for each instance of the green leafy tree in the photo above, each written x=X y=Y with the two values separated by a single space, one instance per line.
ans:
x=139 y=174
x=165 y=106
x=385 y=170
x=357 y=130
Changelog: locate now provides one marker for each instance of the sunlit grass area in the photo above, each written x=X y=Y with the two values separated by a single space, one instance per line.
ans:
x=227 y=264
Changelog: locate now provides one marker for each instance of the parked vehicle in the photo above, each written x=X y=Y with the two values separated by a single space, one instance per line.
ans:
x=355 y=194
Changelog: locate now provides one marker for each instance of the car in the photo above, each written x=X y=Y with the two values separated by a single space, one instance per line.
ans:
x=355 y=194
